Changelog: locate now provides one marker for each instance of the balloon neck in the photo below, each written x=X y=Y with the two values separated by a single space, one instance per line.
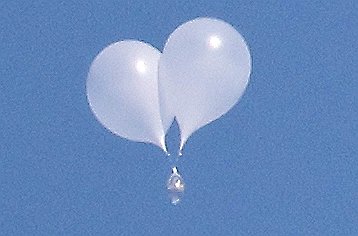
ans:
x=164 y=147
x=180 y=153
x=165 y=151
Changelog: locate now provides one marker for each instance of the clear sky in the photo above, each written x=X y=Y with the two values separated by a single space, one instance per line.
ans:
x=283 y=161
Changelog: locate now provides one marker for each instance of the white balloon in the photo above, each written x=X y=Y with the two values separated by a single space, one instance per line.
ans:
x=203 y=71
x=122 y=90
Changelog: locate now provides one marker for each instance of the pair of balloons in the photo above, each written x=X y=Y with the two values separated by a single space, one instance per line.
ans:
x=136 y=91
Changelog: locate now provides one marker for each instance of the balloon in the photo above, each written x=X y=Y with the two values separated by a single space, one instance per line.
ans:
x=122 y=90
x=203 y=71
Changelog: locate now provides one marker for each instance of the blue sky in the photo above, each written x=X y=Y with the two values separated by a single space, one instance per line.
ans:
x=283 y=161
